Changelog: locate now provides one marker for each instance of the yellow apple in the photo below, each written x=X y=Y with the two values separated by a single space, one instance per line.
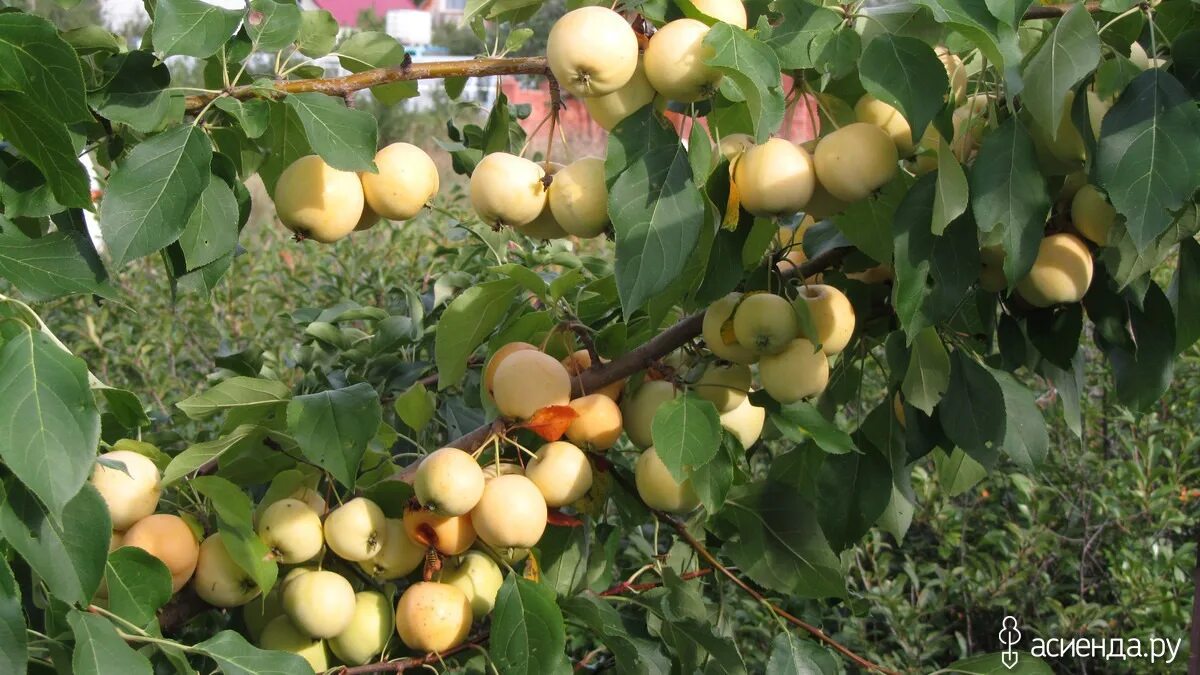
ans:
x=489 y=372
x=732 y=145
x=561 y=473
x=511 y=513
x=873 y=111
x=674 y=62
x=578 y=198
x=507 y=190
x=638 y=409
x=131 y=494
x=1092 y=215
x=608 y=110
x=406 y=181
x=478 y=577
x=494 y=469
x=433 y=617
x=399 y=556
x=774 y=179
x=991 y=273
x=598 y=425
x=732 y=12
x=449 y=482
x=745 y=422
x=291 y=530
x=799 y=371
x=261 y=611
x=368 y=632
x=832 y=316
x=356 y=530
x=765 y=323
x=170 y=539
x=317 y=201
x=1061 y=273
x=580 y=361
x=527 y=381
x=282 y=635
x=219 y=580
x=855 y=161
x=724 y=385
x=715 y=317
x=312 y=498
x=592 y=51
x=319 y=603
x=450 y=535
x=657 y=487
x=955 y=70
x=545 y=226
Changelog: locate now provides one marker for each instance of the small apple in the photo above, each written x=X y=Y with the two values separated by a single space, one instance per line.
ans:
x=449 y=482
x=282 y=635
x=657 y=487
x=433 y=617
x=131 y=494
x=319 y=603
x=598 y=426
x=527 y=381
x=561 y=472
x=478 y=577
x=578 y=198
x=855 y=161
x=732 y=145
x=511 y=513
x=368 y=632
x=774 y=179
x=765 y=323
x=675 y=62
x=1061 y=274
x=832 y=316
x=715 y=317
x=745 y=422
x=1092 y=215
x=317 y=201
x=406 y=181
x=724 y=385
x=991 y=273
x=592 y=51
x=292 y=531
x=219 y=580
x=489 y=372
x=450 y=535
x=507 y=189
x=799 y=371
x=608 y=110
x=170 y=539
x=732 y=12
x=639 y=408
x=580 y=361
x=873 y=111
x=399 y=556
x=356 y=530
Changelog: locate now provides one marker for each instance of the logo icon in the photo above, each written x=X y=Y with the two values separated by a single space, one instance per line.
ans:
x=1010 y=635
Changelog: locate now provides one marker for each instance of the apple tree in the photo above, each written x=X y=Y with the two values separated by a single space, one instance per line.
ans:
x=699 y=367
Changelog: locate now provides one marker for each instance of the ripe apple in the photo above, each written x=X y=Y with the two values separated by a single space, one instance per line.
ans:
x=356 y=530
x=639 y=409
x=317 y=201
x=511 y=513
x=765 y=323
x=580 y=361
x=561 y=472
x=657 y=487
x=855 y=161
x=448 y=482
x=608 y=110
x=489 y=372
x=320 y=603
x=799 y=371
x=507 y=190
x=674 y=62
x=724 y=385
x=832 y=316
x=732 y=145
x=131 y=494
x=450 y=535
x=732 y=12
x=261 y=611
x=1092 y=215
x=399 y=556
x=745 y=422
x=494 y=469
x=1065 y=146
x=283 y=636
x=1061 y=273
x=991 y=273
x=433 y=617
x=598 y=426
x=370 y=627
x=527 y=381
x=714 y=321
x=219 y=580
x=478 y=577
x=592 y=51
x=774 y=179
x=312 y=498
x=545 y=226
x=955 y=70
x=578 y=198
x=873 y=111
x=406 y=181
x=291 y=530
x=170 y=539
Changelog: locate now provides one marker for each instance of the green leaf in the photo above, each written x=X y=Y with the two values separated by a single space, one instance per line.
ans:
x=1069 y=383
x=58 y=264
x=906 y=74
x=853 y=490
x=655 y=205
x=192 y=27
x=239 y=393
x=235 y=656
x=957 y=471
x=211 y=232
x=771 y=533
x=273 y=25
x=1069 y=54
x=753 y=66
x=801 y=421
x=1126 y=263
x=343 y=137
x=285 y=142
x=318 y=32
x=333 y=428
x=99 y=650
x=793 y=37
x=527 y=628
x=134 y=91
x=153 y=192
x=973 y=412
x=68 y=554
x=1148 y=156
x=138 y=585
x=1185 y=292
x=1143 y=371
x=46 y=143
x=88 y=40
x=253 y=115
x=974 y=21
x=633 y=652
x=867 y=223
x=49 y=424
x=687 y=434
x=235 y=521
x=928 y=373
x=369 y=49
x=791 y=655
x=950 y=201
x=36 y=62
x=836 y=53
x=562 y=555
x=1009 y=195
x=415 y=406
x=14 y=647
x=1026 y=439
x=993 y=664
x=466 y=323
x=1056 y=333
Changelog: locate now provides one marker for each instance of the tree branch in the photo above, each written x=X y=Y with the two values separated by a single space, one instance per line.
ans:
x=405 y=72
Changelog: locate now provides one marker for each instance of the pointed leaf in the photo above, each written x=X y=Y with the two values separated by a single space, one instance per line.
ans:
x=236 y=393
x=192 y=27
x=951 y=199
x=99 y=650
x=972 y=412
x=235 y=656
x=35 y=61
x=58 y=264
x=527 y=628
x=928 y=373
x=343 y=137
x=235 y=521
x=138 y=585
x=1026 y=439
x=1070 y=54
x=14 y=646
x=466 y=323
x=687 y=433
x=333 y=428
x=46 y=142
x=904 y=72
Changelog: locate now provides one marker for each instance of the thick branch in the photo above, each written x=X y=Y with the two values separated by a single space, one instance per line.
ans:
x=432 y=70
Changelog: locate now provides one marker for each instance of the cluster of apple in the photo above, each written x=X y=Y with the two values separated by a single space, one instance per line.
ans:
x=319 y=202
